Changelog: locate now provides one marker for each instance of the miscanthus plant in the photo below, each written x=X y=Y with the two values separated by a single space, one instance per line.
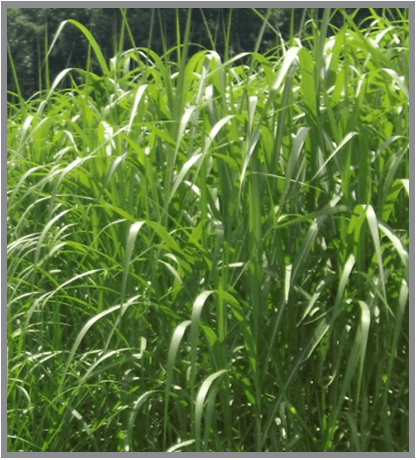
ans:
x=212 y=255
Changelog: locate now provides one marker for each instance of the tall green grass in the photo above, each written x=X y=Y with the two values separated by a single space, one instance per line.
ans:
x=209 y=256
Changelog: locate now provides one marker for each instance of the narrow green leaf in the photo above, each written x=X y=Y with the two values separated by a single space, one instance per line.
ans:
x=199 y=406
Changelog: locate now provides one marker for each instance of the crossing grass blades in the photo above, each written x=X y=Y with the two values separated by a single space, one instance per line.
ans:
x=212 y=255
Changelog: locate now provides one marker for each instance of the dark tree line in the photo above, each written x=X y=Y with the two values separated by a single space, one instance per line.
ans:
x=31 y=30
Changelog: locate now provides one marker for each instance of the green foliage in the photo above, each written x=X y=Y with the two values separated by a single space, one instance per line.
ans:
x=230 y=31
x=205 y=255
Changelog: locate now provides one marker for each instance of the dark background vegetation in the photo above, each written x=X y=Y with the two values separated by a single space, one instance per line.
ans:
x=30 y=32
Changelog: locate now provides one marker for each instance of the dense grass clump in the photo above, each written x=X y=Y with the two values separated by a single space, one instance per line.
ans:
x=213 y=256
